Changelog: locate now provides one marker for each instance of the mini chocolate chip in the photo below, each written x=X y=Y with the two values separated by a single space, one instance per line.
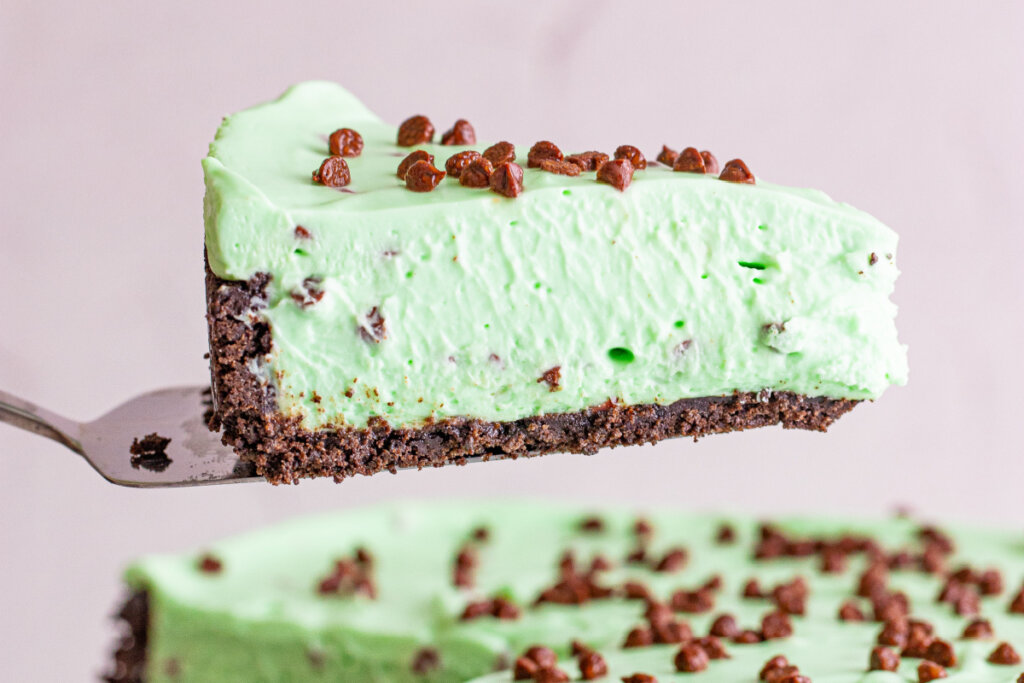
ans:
x=560 y=167
x=849 y=611
x=477 y=174
x=643 y=528
x=710 y=162
x=990 y=582
x=422 y=176
x=592 y=665
x=634 y=155
x=507 y=180
x=524 y=669
x=774 y=664
x=618 y=173
x=457 y=163
x=736 y=171
x=941 y=652
x=671 y=632
x=551 y=675
x=639 y=678
x=658 y=612
x=894 y=632
x=747 y=637
x=673 y=560
x=689 y=161
x=504 y=609
x=345 y=142
x=541 y=151
x=551 y=377
x=481 y=534
x=1004 y=654
x=724 y=626
x=301 y=233
x=776 y=625
x=693 y=602
x=833 y=561
x=638 y=637
x=425 y=660
x=588 y=161
x=542 y=656
x=415 y=130
x=872 y=259
x=412 y=158
x=978 y=628
x=883 y=659
x=634 y=590
x=929 y=671
x=461 y=133
x=667 y=156
x=691 y=658
x=713 y=647
x=333 y=172
x=592 y=525
x=918 y=640
x=752 y=590
x=500 y=153
x=600 y=563
x=208 y=564
x=726 y=535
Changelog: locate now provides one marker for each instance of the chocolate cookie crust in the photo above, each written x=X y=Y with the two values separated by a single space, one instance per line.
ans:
x=284 y=452
x=129 y=665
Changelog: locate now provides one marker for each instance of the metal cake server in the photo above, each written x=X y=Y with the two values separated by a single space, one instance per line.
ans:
x=193 y=456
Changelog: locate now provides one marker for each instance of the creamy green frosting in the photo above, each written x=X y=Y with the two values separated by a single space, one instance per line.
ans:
x=657 y=293
x=262 y=619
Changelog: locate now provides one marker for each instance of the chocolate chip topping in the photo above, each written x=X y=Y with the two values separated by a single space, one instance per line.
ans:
x=458 y=162
x=929 y=671
x=551 y=377
x=560 y=167
x=209 y=564
x=374 y=330
x=499 y=608
x=302 y=234
x=618 y=173
x=425 y=660
x=673 y=560
x=412 y=158
x=415 y=130
x=592 y=665
x=588 y=161
x=639 y=678
x=150 y=453
x=725 y=535
x=461 y=133
x=918 y=639
x=883 y=659
x=736 y=171
x=638 y=637
x=710 y=162
x=978 y=629
x=423 y=176
x=772 y=665
x=633 y=155
x=693 y=602
x=689 y=161
x=752 y=590
x=725 y=626
x=507 y=180
x=464 y=570
x=691 y=658
x=333 y=172
x=713 y=647
x=941 y=652
x=1004 y=654
x=667 y=156
x=348 y=577
x=776 y=625
x=894 y=632
x=477 y=173
x=748 y=637
x=500 y=153
x=543 y=150
x=551 y=675
x=345 y=142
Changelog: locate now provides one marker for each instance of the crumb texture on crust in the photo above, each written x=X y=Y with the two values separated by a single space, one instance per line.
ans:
x=284 y=452
x=129 y=665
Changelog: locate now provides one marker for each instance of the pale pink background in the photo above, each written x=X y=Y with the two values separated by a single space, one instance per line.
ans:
x=912 y=111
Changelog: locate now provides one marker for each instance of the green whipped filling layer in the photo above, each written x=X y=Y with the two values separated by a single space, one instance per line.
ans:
x=682 y=286
x=261 y=618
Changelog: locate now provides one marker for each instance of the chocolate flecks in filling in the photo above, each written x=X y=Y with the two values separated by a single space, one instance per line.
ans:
x=412 y=158
x=592 y=665
x=317 y=659
x=423 y=176
x=477 y=174
x=302 y=234
x=425 y=660
x=500 y=153
x=1004 y=655
x=333 y=172
x=457 y=163
x=210 y=564
x=736 y=171
x=463 y=575
x=618 y=173
x=345 y=142
x=689 y=161
x=541 y=151
x=507 y=180
x=667 y=156
x=150 y=453
x=560 y=167
x=349 y=577
x=374 y=328
x=461 y=133
x=633 y=155
x=415 y=130
x=883 y=659
x=309 y=294
x=691 y=658
x=978 y=629
x=551 y=377
x=588 y=161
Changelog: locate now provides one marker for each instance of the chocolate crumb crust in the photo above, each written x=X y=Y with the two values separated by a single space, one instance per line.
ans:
x=129 y=665
x=284 y=452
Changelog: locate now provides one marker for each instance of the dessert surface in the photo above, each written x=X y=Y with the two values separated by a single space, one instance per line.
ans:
x=450 y=592
x=408 y=307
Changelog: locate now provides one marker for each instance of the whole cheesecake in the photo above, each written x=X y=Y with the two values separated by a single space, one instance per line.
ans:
x=383 y=297
x=542 y=592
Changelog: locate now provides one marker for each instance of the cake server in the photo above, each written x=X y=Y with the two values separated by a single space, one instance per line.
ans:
x=193 y=456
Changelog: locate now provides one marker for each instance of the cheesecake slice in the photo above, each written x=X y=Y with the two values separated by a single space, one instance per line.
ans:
x=383 y=297
x=448 y=592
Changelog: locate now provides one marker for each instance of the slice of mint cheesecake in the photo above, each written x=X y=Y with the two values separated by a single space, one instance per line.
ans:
x=383 y=297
